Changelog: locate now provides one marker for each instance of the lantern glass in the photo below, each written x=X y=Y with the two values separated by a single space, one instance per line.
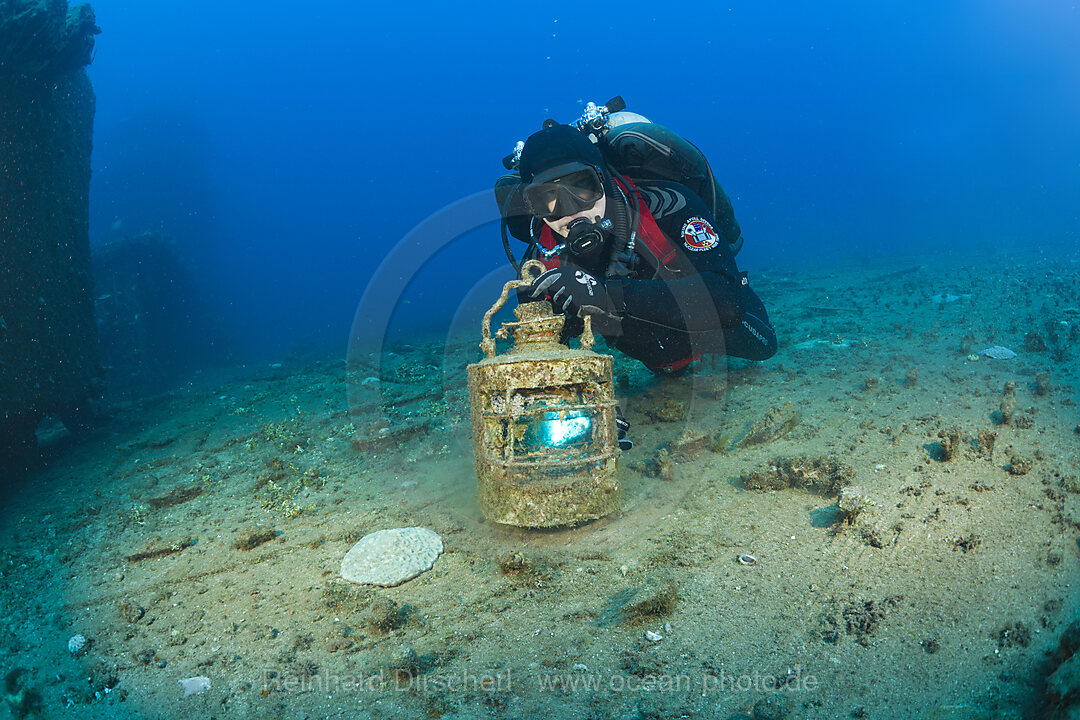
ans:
x=559 y=434
x=558 y=424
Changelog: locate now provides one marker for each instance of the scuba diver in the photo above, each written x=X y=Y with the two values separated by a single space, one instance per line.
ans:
x=649 y=258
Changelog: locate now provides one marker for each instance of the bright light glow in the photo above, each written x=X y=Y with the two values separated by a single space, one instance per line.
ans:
x=556 y=429
x=558 y=432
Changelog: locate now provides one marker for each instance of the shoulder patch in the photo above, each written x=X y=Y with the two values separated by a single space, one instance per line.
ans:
x=698 y=235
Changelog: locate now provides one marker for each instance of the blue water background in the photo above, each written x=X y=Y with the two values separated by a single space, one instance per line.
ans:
x=288 y=150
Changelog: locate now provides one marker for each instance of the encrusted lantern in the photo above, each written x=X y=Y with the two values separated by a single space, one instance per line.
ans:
x=543 y=418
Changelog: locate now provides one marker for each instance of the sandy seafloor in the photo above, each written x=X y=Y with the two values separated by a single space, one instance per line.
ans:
x=944 y=600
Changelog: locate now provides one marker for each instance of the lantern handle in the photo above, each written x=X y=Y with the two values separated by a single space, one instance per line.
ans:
x=530 y=270
x=587 y=337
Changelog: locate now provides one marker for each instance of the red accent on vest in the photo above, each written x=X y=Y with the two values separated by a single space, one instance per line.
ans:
x=648 y=232
x=547 y=241
x=678 y=364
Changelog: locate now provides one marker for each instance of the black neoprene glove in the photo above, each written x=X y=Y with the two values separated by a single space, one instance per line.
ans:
x=576 y=293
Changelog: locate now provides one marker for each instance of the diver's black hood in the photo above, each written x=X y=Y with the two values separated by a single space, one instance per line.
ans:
x=554 y=146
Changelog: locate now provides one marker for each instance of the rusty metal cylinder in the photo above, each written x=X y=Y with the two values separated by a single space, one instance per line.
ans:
x=543 y=419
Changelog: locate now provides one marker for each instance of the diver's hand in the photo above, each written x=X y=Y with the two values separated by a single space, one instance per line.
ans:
x=574 y=292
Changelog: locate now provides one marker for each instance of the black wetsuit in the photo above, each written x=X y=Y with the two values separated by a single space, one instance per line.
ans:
x=694 y=302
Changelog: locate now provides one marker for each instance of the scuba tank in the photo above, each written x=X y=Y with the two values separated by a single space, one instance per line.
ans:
x=633 y=146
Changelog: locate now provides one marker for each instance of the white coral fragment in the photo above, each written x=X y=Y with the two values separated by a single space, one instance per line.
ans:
x=390 y=557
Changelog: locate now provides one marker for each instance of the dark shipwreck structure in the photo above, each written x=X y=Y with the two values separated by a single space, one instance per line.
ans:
x=153 y=325
x=49 y=362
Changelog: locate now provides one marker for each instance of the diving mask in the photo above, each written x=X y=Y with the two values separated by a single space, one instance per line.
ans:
x=563 y=190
